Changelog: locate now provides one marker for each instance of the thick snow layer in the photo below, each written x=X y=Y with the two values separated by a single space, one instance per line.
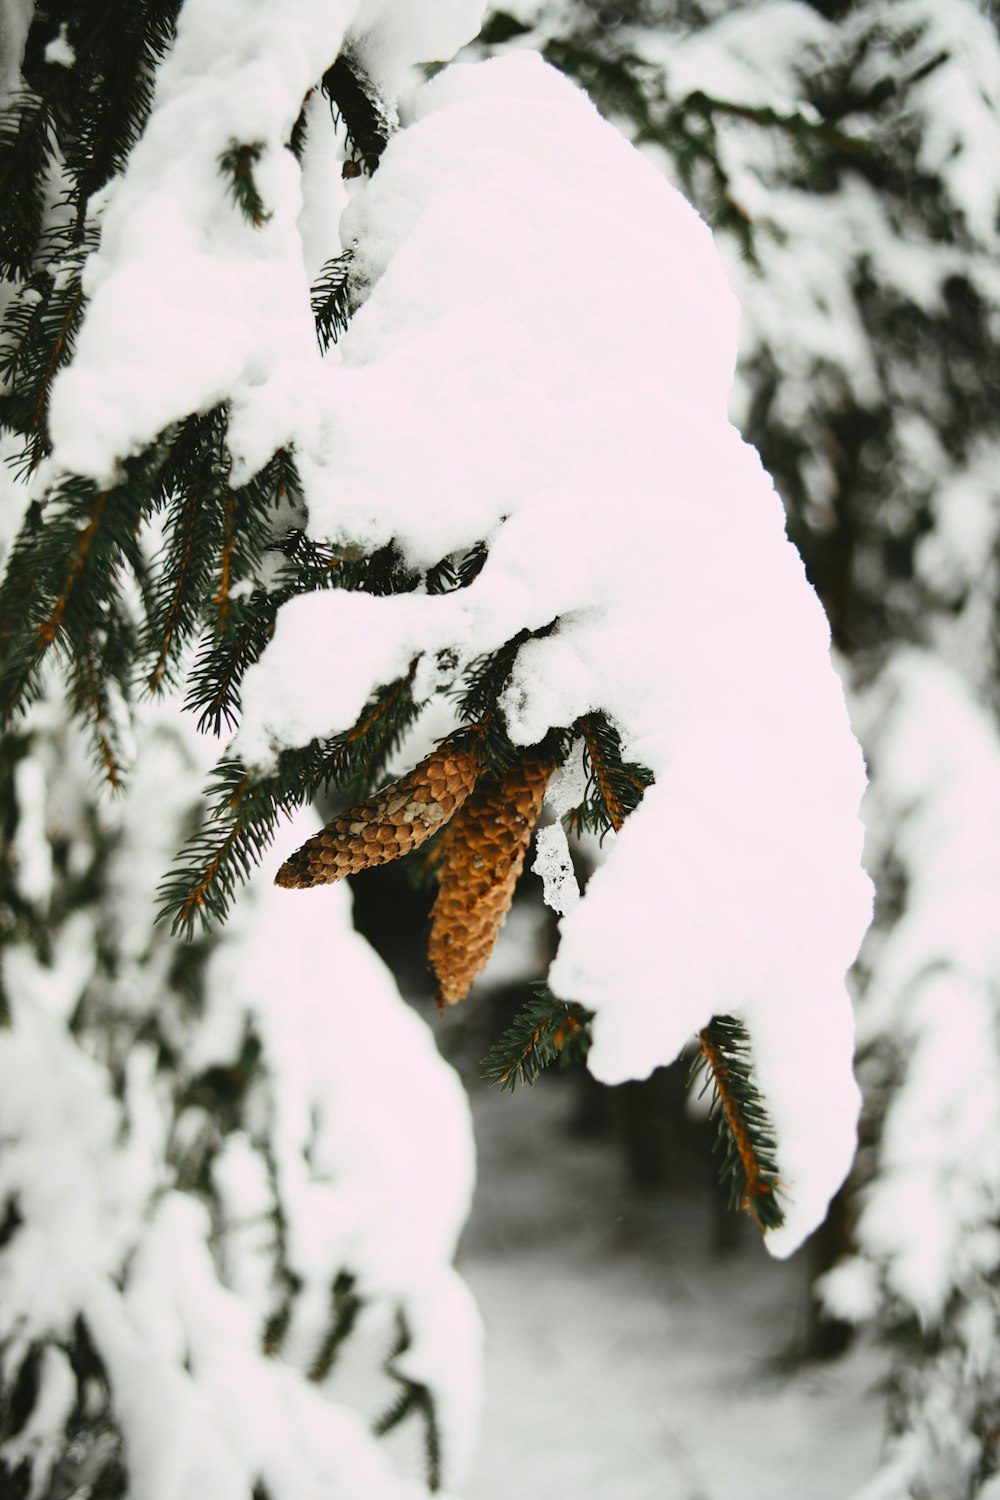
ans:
x=188 y=303
x=507 y=379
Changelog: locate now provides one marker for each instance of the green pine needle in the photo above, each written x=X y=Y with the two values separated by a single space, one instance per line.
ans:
x=412 y=1397
x=356 y=104
x=331 y=299
x=745 y=1136
x=237 y=165
x=345 y=1306
x=614 y=786
x=546 y=1030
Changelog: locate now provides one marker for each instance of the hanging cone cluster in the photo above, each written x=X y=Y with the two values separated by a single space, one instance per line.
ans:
x=397 y=819
x=482 y=855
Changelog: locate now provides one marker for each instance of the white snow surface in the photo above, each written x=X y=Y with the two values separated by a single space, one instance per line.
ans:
x=179 y=271
x=543 y=361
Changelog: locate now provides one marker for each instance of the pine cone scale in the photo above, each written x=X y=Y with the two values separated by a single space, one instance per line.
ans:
x=387 y=825
x=482 y=857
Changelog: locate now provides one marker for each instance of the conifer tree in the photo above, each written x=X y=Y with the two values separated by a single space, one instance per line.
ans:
x=238 y=484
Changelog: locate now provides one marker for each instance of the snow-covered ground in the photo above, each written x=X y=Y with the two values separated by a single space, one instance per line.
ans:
x=626 y=1360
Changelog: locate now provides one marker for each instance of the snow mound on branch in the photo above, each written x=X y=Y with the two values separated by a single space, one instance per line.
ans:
x=544 y=360
x=188 y=304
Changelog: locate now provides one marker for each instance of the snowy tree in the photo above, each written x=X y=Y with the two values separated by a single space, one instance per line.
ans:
x=316 y=419
x=847 y=156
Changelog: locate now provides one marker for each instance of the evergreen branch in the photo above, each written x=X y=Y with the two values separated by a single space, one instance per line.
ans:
x=39 y=331
x=545 y=1030
x=220 y=854
x=239 y=629
x=378 y=731
x=457 y=573
x=222 y=662
x=793 y=123
x=120 y=49
x=221 y=598
x=244 y=813
x=61 y=350
x=478 y=698
x=237 y=164
x=357 y=105
x=413 y=1396
x=27 y=145
x=49 y=628
x=614 y=787
x=185 y=570
x=275 y=1331
x=19 y=585
x=73 y=550
x=345 y=1307
x=90 y=701
x=215 y=537
x=331 y=303
x=745 y=1135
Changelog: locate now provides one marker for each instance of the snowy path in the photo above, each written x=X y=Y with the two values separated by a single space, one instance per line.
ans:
x=626 y=1361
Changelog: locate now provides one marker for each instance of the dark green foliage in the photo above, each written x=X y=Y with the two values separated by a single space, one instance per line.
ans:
x=413 y=1397
x=22 y=920
x=614 y=786
x=545 y=1030
x=11 y=1220
x=478 y=696
x=92 y=1458
x=26 y=146
x=243 y=813
x=501 y=27
x=331 y=299
x=90 y=114
x=356 y=103
x=345 y=1305
x=483 y=681
x=745 y=1136
x=457 y=572
x=236 y=165
x=21 y=1394
x=221 y=1089
x=63 y=589
x=36 y=341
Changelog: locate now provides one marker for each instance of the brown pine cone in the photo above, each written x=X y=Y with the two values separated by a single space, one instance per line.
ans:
x=384 y=827
x=481 y=857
